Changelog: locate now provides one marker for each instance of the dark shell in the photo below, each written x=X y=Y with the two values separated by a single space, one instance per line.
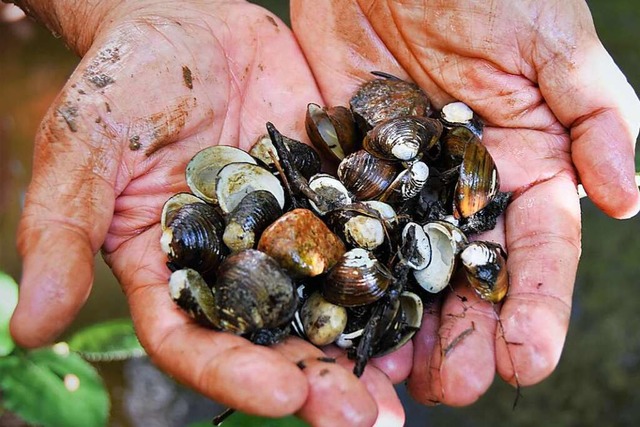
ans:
x=407 y=321
x=485 y=265
x=454 y=142
x=332 y=130
x=305 y=159
x=193 y=238
x=358 y=278
x=256 y=211
x=478 y=182
x=403 y=138
x=252 y=292
x=379 y=100
x=366 y=176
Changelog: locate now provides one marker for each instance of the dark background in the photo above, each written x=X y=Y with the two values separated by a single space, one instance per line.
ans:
x=597 y=382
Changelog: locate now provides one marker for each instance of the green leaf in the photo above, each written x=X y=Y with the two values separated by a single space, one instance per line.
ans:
x=240 y=419
x=53 y=388
x=107 y=341
x=8 y=301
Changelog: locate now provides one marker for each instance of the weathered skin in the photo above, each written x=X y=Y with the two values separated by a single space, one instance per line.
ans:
x=559 y=111
x=161 y=80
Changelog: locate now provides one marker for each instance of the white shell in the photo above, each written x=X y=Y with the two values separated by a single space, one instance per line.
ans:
x=364 y=232
x=457 y=112
x=331 y=189
x=436 y=276
x=236 y=180
x=422 y=255
x=203 y=169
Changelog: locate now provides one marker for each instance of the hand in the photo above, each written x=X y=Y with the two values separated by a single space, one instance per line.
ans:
x=157 y=83
x=558 y=111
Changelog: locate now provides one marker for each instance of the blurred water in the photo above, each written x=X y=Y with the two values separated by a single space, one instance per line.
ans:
x=598 y=377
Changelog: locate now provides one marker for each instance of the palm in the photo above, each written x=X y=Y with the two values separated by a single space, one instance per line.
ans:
x=519 y=79
x=151 y=93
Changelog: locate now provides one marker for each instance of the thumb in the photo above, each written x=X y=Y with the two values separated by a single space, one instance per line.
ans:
x=591 y=97
x=68 y=208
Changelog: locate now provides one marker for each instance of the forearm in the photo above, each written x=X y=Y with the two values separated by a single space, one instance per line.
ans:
x=75 y=21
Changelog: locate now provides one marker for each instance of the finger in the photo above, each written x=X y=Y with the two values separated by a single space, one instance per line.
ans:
x=67 y=211
x=350 y=403
x=543 y=237
x=462 y=361
x=341 y=48
x=424 y=344
x=390 y=409
x=590 y=95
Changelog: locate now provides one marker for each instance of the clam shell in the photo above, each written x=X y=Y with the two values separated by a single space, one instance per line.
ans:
x=331 y=190
x=404 y=326
x=436 y=276
x=331 y=130
x=173 y=204
x=485 y=266
x=236 y=180
x=365 y=175
x=193 y=238
x=255 y=212
x=460 y=114
x=192 y=294
x=301 y=243
x=421 y=251
x=403 y=138
x=383 y=99
x=252 y=292
x=203 y=169
x=358 y=278
x=478 y=182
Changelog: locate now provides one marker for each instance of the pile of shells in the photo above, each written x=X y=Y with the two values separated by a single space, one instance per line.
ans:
x=267 y=245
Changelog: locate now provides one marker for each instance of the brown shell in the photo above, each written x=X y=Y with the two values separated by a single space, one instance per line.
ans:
x=366 y=176
x=478 y=182
x=403 y=138
x=379 y=100
x=332 y=130
x=358 y=278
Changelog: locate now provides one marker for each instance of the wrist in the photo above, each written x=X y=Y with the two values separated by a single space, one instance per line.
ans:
x=76 y=21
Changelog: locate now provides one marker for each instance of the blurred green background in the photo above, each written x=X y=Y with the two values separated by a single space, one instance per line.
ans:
x=597 y=382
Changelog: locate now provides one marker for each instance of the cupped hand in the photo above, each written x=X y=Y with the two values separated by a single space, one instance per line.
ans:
x=160 y=81
x=558 y=112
